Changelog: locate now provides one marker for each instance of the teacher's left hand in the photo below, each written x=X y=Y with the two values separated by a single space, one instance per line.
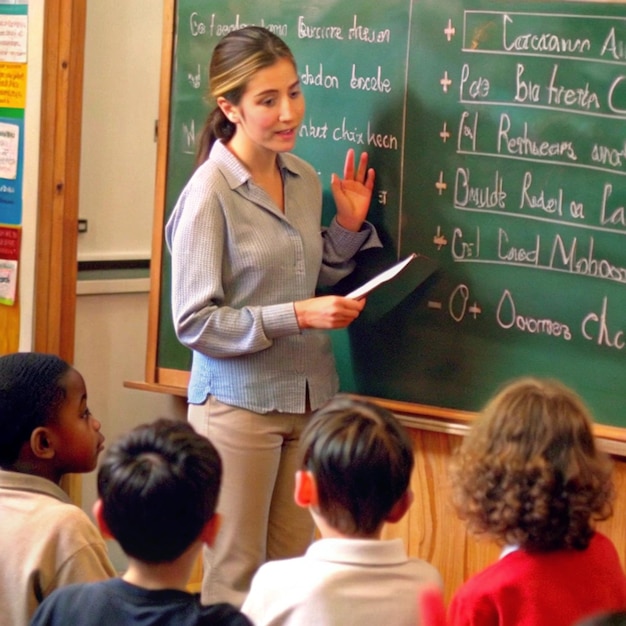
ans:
x=353 y=192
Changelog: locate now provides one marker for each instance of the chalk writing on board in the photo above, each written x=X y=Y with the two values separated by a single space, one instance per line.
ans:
x=497 y=137
x=521 y=98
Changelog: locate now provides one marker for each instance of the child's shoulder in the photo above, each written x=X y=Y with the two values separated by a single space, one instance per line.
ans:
x=45 y=505
x=223 y=614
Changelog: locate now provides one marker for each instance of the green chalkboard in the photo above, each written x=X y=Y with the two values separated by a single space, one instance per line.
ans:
x=498 y=132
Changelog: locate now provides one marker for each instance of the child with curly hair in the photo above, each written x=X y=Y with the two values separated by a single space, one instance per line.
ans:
x=530 y=476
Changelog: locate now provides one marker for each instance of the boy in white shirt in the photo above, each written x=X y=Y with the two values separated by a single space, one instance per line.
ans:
x=356 y=469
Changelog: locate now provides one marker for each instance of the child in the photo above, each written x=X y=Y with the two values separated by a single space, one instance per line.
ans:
x=158 y=488
x=355 y=477
x=529 y=475
x=46 y=431
x=616 y=618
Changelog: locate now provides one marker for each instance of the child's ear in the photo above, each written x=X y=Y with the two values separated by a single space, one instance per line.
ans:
x=400 y=507
x=210 y=529
x=305 y=493
x=41 y=443
x=98 y=513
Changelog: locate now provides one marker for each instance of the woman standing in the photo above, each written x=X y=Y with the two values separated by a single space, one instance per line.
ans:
x=248 y=253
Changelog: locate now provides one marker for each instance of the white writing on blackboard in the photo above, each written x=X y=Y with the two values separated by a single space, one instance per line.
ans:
x=356 y=32
x=362 y=33
x=479 y=197
x=507 y=317
x=347 y=132
x=319 y=79
x=370 y=82
x=595 y=327
x=568 y=256
x=541 y=42
x=522 y=145
x=527 y=91
x=198 y=26
x=517 y=254
x=607 y=155
x=613 y=46
x=551 y=203
x=614 y=215
x=308 y=31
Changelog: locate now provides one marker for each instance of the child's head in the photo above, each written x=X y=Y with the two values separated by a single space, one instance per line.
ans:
x=617 y=618
x=235 y=60
x=45 y=425
x=158 y=487
x=529 y=472
x=361 y=459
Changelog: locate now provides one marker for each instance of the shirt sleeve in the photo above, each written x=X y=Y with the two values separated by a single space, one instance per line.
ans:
x=85 y=557
x=202 y=320
x=340 y=247
x=471 y=612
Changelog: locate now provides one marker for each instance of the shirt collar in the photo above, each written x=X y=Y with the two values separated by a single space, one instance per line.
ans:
x=236 y=172
x=359 y=551
x=508 y=550
x=18 y=481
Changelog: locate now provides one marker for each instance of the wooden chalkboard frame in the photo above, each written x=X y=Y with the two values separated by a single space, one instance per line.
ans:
x=175 y=381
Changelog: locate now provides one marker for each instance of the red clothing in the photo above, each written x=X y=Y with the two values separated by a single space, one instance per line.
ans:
x=542 y=589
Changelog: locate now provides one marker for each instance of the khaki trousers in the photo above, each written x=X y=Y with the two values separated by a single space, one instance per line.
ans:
x=260 y=520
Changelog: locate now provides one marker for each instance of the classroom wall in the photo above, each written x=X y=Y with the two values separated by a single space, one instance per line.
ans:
x=120 y=109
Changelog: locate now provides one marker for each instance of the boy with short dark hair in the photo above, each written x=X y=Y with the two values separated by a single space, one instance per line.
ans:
x=46 y=432
x=356 y=469
x=158 y=488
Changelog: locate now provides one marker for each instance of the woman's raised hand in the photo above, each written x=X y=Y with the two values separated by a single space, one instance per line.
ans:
x=353 y=192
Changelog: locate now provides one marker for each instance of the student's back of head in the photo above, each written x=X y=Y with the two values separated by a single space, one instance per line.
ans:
x=529 y=473
x=362 y=459
x=158 y=486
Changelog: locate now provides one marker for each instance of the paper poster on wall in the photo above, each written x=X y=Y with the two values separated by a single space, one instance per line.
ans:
x=9 y=256
x=11 y=166
x=9 y=143
x=13 y=33
x=8 y=282
x=12 y=85
x=13 y=59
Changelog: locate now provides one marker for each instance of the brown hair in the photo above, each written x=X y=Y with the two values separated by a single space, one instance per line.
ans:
x=529 y=473
x=236 y=58
x=362 y=459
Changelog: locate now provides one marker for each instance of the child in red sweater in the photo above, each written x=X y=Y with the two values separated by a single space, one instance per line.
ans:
x=530 y=476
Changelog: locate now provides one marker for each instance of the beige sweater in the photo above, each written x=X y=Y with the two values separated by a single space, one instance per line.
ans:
x=45 y=542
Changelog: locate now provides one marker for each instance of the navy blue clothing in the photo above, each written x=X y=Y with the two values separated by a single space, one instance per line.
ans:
x=117 y=602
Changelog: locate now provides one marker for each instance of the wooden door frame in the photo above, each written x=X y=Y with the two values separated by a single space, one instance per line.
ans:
x=56 y=265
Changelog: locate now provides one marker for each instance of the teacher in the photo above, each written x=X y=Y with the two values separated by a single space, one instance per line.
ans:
x=248 y=253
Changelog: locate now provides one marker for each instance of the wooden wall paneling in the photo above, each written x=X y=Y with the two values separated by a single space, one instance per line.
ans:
x=10 y=326
x=159 y=199
x=56 y=266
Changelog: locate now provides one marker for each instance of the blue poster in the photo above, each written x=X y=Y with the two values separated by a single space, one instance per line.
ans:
x=11 y=170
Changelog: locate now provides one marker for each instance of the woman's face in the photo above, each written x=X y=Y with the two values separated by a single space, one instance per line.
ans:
x=271 y=109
